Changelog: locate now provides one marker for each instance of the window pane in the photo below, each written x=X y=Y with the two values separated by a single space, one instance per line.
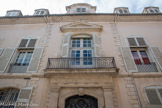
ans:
x=83 y=9
x=75 y=55
x=42 y=13
x=37 y=12
x=144 y=57
x=78 y=9
x=120 y=10
x=86 y=42
x=156 y=11
x=76 y=42
x=136 y=58
x=27 y=59
x=20 y=58
x=125 y=11
x=151 y=11
x=87 y=57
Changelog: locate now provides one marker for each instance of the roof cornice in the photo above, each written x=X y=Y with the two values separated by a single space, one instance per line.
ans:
x=92 y=17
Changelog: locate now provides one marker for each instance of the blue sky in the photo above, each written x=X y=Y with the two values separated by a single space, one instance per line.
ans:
x=58 y=6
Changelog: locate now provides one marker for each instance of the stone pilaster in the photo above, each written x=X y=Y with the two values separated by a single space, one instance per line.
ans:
x=53 y=95
x=108 y=98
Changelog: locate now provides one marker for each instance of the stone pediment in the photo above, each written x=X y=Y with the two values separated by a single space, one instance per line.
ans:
x=80 y=27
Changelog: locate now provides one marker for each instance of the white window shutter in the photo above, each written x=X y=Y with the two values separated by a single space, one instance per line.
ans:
x=1 y=50
x=65 y=45
x=96 y=44
x=152 y=97
x=132 y=42
x=32 y=43
x=157 y=55
x=35 y=60
x=5 y=58
x=141 y=41
x=24 y=97
x=23 y=43
x=128 y=59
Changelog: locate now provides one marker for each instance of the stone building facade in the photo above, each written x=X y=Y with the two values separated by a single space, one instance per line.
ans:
x=81 y=59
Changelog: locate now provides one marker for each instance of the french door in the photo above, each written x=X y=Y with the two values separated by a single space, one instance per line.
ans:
x=81 y=58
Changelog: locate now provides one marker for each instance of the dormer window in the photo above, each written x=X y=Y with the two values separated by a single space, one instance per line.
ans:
x=41 y=12
x=151 y=10
x=81 y=8
x=121 y=10
x=13 y=13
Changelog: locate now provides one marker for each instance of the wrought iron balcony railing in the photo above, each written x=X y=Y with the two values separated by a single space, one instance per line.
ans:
x=81 y=63
x=13 y=68
x=151 y=67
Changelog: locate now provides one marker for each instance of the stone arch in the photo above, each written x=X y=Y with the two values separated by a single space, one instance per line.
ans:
x=99 y=97
x=81 y=101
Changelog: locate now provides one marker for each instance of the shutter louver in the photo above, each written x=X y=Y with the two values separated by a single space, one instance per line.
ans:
x=132 y=42
x=65 y=46
x=23 y=43
x=32 y=43
x=160 y=91
x=128 y=59
x=24 y=97
x=152 y=97
x=157 y=55
x=1 y=50
x=97 y=50
x=5 y=58
x=141 y=41
x=35 y=60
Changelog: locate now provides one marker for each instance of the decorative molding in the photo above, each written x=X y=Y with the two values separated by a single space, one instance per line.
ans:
x=81 y=27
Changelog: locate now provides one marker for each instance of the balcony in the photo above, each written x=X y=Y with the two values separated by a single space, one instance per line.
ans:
x=17 y=69
x=81 y=65
x=151 y=67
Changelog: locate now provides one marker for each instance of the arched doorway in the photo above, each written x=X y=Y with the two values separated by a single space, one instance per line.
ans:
x=8 y=97
x=77 y=101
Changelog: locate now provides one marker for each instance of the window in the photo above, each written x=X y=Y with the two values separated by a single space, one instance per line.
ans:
x=12 y=13
x=154 y=95
x=136 y=42
x=81 y=51
x=123 y=11
x=23 y=59
x=39 y=12
x=81 y=9
x=8 y=97
x=153 y=10
x=27 y=43
x=140 y=57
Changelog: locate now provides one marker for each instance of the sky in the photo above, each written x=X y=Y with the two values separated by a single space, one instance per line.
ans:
x=27 y=7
